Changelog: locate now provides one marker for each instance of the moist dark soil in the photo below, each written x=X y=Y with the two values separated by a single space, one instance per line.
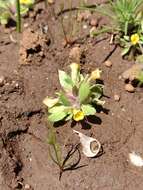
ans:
x=24 y=155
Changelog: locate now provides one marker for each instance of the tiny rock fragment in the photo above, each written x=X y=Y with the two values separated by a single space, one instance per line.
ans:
x=85 y=26
x=116 y=97
x=26 y=25
x=133 y=72
x=108 y=63
x=75 y=54
x=93 y=22
x=2 y=80
x=50 y=1
x=129 y=88
x=27 y=187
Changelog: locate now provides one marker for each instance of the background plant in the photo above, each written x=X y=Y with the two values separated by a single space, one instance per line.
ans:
x=132 y=44
x=125 y=15
x=8 y=9
x=78 y=96
x=126 y=20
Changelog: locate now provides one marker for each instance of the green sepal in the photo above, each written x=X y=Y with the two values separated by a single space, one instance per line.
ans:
x=88 y=109
x=125 y=50
x=69 y=117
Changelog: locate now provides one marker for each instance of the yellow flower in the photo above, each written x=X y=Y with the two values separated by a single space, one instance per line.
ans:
x=78 y=115
x=50 y=102
x=26 y=2
x=135 y=39
x=95 y=74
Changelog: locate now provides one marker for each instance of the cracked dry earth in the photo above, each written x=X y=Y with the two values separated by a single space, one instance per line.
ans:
x=24 y=157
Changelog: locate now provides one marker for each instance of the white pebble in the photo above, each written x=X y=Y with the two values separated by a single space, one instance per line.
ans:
x=135 y=159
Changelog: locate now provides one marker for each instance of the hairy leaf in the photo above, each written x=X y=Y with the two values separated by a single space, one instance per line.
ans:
x=84 y=91
x=57 y=116
x=65 y=81
x=88 y=109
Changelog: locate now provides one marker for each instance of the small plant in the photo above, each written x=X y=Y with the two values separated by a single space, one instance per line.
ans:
x=125 y=15
x=8 y=9
x=55 y=153
x=126 y=19
x=132 y=44
x=78 y=97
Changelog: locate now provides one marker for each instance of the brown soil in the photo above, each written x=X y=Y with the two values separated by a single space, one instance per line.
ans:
x=24 y=157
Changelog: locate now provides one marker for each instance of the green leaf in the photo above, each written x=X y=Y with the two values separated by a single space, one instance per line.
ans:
x=55 y=109
x=65 y=80
x=69 y=117
x=63 y=99
x=4 y=17
x=97 y=91
x=125 y=50
x=57 y=116
x=84 y=91
x=88 y=109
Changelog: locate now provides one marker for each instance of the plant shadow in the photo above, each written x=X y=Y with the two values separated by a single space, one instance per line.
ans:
x=11 y=23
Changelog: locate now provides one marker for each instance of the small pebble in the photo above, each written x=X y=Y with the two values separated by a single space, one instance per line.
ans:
x=117 y=97
x=120 y=77
x=27 y=186
x=17 y=85
x=26 y=25
x=2 y=80
x=129 y=88
x=93 y=22
x=108 y=63
x=84 y=26
x=50 y=1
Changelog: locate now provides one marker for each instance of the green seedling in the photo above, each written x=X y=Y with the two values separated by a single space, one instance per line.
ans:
x=10 y=9
x=78 y=95
x=55 y=153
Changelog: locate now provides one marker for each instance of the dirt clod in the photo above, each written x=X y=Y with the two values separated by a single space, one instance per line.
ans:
x=94 y=22
x=129 y=88
x=75 y=54
x=32 y=44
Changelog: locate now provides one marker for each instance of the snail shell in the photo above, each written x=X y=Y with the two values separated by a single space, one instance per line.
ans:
x=90 y=146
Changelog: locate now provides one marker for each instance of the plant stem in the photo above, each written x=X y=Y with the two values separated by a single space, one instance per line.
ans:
x=46 y=4
x=18 y=18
